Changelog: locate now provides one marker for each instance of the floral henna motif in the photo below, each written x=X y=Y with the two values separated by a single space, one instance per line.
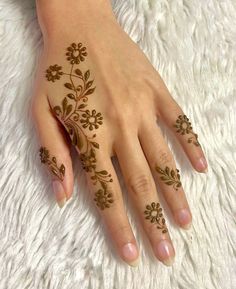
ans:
x=54 y=72
x=103 y=199
x=153 y=213
x=52 y=163
x=184 y=126
x=75 y=116
x=76 y=53
x=170 y=177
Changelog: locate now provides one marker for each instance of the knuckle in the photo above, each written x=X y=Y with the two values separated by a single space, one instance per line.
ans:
x=164 y=157
x=120 y=230
x=140 y=185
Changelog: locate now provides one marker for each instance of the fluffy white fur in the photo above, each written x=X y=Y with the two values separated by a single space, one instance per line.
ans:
x=192 y=43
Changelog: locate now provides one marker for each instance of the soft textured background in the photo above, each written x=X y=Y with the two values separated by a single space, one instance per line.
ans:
x=192 y=43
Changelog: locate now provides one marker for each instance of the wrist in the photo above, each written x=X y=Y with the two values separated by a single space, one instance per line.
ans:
x=57 y=15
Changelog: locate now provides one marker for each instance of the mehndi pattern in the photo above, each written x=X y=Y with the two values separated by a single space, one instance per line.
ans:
x=77 y=118
x=58 y=171
x=154 y=214
x=169 y=176
x=184 y=127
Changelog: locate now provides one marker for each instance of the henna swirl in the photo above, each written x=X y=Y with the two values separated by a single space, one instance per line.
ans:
x=77 y=118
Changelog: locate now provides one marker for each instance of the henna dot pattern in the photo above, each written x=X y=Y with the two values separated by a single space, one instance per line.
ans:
x=154 y=214
x=78 y=120
x=170 y=177
x=184 y=127
x=58 y=171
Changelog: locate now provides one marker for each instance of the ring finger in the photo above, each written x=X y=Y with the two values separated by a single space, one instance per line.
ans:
x=164 y=169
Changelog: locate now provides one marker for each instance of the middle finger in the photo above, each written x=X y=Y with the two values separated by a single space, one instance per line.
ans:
x=142 y=188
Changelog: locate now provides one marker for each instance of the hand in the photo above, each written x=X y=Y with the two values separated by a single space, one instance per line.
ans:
x=96 y=86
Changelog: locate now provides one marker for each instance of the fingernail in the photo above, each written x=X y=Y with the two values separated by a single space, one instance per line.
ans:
x=202 y=165
x=130 y=254
x=59 y=193
x=165 y=252
x=184 y=218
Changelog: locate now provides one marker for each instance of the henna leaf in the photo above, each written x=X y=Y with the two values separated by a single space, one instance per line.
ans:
x=68 y=85
x=54 y=160
x=86 y=75
x=159 y=170
x=62 y=169
x=69 y=109
x=95 y=144
x=82 y=106
x=170 y=183
x=89 y=84
x=57 y=110
x=90 y=91
x=78 y=72
x=103 y=172
x=167 y=170
x=64 y=105
x=71 y=96
x=172 y=173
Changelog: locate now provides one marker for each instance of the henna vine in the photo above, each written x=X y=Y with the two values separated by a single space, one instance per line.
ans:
x=170 y=177
x=184 y=126
x=154 y=214
x=52 y=163
x=76 y=118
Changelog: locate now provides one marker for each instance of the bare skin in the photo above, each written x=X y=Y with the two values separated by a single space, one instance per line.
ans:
x=95 y=87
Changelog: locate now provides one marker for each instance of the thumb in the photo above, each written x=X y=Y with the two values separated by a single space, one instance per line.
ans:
x=54 y=150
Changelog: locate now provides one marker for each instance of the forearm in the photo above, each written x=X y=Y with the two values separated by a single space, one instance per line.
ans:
x=72 y=14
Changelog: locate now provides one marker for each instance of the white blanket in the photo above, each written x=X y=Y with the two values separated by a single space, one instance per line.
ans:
x=192 y=43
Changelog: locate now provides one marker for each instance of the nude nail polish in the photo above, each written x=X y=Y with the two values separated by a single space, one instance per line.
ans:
x=184 y=218
x=59 y=193
x=165 y=252
x=130 y=254
x=202 y=165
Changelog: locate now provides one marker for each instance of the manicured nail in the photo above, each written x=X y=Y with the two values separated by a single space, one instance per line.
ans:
x=202 y=165
x=165 y=252
x=130 y=254
x=59 y=193
x=184 y=218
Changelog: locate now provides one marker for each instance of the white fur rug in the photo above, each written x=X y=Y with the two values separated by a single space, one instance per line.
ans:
x=192 y=43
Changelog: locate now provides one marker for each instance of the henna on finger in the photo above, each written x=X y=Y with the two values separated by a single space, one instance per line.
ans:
x=170 y=177
x=154 y=214
x=76 y=118
x=184 y=127
x=58 y=171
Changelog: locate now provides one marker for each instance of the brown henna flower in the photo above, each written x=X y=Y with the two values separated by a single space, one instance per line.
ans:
x=103 y=198
x=54 y=72
x=153 y=212
x=183 y=125
x=88 y=161
x=91 y=120
x=76 y=53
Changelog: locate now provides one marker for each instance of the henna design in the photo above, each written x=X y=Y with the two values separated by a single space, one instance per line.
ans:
x=184 y=126
x=170 y=177
x=76 y=118
x=103 y=199
x=53 y=72
x=52 y=163
x=153 y=213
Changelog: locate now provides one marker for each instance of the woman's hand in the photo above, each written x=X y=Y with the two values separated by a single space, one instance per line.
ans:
x=96 y=86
